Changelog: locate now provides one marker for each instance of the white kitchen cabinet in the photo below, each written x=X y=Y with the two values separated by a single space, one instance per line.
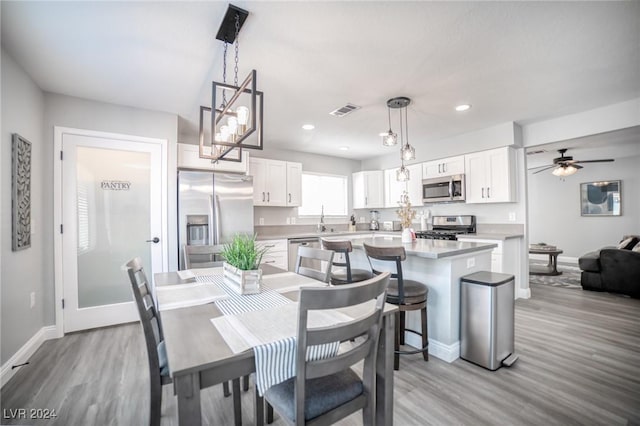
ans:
x=505 y=258
x=189 y=158
x=276 y=183
x=392 y=188
x=490 y=176
x=414 y=186
x=276 y=254
x=294 y=184
x=368 y=189
x=443 y=167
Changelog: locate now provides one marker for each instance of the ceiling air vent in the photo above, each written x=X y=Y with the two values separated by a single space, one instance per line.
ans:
x=538 y=151
x=342 y=111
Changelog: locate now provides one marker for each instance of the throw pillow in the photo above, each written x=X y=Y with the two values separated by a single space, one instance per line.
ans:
x=628 y=243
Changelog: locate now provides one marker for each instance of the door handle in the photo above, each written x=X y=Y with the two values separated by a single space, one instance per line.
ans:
x=155 y=240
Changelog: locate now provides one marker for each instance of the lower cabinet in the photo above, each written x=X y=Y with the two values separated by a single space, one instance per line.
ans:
x=276 y=254
x=505 y=258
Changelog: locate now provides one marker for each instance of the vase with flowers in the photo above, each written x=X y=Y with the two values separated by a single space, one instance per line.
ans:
x=406 y=215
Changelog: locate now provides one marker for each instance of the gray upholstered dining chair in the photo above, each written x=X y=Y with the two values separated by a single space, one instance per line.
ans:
x=325 y=391
x=345 y=274
x=159 y=373
x=314 y=263
x=201 y=256
x=408 y=295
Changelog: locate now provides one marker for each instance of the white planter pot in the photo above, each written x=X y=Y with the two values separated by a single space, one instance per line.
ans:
x=243 y=282
x=406 y=235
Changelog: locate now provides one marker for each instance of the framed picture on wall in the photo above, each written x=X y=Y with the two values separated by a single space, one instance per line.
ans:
x=603 y=198
x=20 y=193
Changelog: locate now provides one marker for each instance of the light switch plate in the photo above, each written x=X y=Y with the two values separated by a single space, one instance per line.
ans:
x=471 y=262
x=512 y=216
x=261 y=221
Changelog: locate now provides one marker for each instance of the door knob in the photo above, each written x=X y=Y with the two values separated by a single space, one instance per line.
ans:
x=155 y=240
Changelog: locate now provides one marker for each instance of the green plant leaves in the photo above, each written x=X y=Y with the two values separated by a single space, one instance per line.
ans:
x=243 y=252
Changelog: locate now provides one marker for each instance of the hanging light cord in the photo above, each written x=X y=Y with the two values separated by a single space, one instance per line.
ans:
x=235 y=69
x=224 y=75
x=389 y=112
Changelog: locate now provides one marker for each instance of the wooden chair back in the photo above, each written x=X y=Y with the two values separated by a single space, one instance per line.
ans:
x=395 y=255
x=342 y=247
x=365 y=327
x=319 y=267
x=202 y=256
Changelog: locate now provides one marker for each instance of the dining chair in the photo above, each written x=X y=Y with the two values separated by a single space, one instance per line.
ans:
x=159 y=373
x=201 y=256
x=314 y=263
x=327 y=390
x=408 y=295
x=346 y=274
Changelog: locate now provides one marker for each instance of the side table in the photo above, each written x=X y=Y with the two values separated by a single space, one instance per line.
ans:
x=552 y=266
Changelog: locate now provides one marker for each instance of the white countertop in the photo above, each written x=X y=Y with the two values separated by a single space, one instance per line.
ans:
x=427 y=248
x=490 y=236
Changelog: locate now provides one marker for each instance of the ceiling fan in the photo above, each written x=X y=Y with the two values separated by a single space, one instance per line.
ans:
x=565 y=165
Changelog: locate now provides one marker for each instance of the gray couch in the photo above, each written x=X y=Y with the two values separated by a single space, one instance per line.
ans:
x=612 y=269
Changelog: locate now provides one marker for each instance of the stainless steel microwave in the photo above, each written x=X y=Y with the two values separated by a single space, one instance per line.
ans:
x=443 y=189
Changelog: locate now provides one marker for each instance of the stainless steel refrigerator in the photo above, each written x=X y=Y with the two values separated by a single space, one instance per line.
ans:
x=212 y=208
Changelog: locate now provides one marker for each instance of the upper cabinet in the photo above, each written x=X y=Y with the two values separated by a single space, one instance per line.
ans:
x=490 y=176
x=275 y=183
x=368 y=189
x=443 y=167
x=189 y=158
x=393 y=189
x=294 y=184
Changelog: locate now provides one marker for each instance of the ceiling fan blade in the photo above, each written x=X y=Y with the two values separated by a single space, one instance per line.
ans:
x=577 y=167
x=607 y=160
x=542 y=170
x=538 y=167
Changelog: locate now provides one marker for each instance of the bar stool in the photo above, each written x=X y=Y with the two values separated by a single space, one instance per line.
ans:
x=408 y=295
x=346 y=275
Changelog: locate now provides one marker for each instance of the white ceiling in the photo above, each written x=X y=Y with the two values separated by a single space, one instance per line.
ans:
x=513 y=61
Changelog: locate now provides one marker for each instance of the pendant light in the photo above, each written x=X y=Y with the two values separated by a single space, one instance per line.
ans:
x=407 y=152
x=390 y=138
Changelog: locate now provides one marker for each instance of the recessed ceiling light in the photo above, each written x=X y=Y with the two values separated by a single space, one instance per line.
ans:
x=308 y=126
x=344 y=148
x=463 y=107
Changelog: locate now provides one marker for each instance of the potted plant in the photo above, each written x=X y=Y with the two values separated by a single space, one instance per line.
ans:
x=406 y=215
x=241 y=269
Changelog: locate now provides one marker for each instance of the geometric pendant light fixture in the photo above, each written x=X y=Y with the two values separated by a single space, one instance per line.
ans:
x=236 y=113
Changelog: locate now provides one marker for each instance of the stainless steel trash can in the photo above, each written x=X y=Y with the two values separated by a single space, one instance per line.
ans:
x=486 y=319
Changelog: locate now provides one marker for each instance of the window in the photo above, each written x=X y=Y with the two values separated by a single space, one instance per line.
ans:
x=329 y=191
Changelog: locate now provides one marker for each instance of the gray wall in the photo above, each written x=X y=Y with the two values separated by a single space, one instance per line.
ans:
x=22 y=271
x=554 y=208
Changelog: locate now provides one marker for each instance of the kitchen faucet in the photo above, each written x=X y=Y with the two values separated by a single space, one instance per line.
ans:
x=321 y=227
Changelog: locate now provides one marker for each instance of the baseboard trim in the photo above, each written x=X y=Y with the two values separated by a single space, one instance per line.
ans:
x=447 y=353
x=524 y=293
x=25 y=352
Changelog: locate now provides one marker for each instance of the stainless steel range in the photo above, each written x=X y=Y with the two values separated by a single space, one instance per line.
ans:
x=448 y=227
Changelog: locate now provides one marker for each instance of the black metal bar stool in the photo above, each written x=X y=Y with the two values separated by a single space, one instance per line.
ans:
x=408 y=295
x=345 y=274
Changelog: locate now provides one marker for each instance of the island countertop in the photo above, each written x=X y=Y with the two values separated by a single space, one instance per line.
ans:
x=427 y=248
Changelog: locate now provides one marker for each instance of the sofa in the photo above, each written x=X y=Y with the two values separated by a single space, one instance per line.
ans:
x=613 y=269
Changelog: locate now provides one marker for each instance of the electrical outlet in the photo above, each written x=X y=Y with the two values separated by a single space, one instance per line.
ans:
x=471 y=262
x=512 y=216
x=33 y=299
x=288 y=221
x=293 y=220
x=261 y=221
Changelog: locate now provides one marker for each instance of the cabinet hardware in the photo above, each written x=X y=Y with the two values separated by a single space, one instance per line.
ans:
x=263 y=197
x=268 y=197
x=439 y=167
x=269 y=245
x=289 y=197
x=444 y=167
x=482 y=192
x=488 y=193
x=366 y=201
x=269 y=261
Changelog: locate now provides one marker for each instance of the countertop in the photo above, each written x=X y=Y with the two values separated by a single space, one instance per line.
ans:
x=326 y=234
x=491 y=236
x=427 y=248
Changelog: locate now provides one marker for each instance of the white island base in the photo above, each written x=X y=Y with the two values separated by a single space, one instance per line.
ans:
x=439 y=265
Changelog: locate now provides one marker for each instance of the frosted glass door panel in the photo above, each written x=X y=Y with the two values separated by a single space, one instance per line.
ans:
x=113 y=203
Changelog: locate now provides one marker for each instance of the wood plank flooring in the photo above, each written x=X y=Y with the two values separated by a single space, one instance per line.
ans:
x=579 y=364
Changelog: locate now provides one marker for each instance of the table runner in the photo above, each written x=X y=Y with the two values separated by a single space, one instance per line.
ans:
x=185 y=295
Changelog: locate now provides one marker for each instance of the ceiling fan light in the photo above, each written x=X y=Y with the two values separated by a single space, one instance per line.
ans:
x=564 y=171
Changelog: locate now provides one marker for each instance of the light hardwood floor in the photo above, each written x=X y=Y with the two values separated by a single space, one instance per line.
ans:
x=579 y=364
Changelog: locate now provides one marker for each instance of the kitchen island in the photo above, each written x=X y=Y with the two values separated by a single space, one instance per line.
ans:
x=439 y=264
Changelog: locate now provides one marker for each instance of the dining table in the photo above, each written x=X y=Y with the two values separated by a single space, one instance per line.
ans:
x=199 y=356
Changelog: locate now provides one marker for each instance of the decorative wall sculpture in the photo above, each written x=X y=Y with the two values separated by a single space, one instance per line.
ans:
x=20 y=193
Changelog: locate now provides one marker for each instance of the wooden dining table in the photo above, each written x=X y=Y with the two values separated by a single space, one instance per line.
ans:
x=199 y=357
